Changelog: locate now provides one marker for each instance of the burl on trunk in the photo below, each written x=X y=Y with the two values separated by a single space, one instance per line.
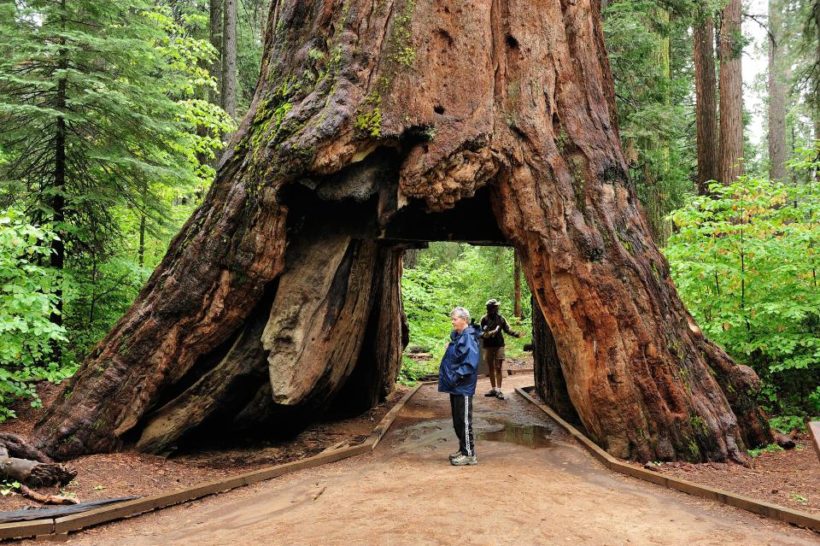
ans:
x=283 y=285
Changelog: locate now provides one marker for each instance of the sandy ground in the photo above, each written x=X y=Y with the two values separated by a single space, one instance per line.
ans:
x=532 y=486
x=125 y=474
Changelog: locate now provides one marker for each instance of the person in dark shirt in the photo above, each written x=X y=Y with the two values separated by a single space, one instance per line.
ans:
x=492 y=327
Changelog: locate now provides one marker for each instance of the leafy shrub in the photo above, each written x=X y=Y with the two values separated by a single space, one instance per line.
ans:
x=787 y=423
x=413 y=370
x=771 y=448
x=450 y=274
x=745 y=263
x=27 y=300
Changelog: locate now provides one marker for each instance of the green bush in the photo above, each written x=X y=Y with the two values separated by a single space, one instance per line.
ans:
x=413 y=370
x=787 y=423
x=745 y=263
x=449 y=275
x=27 y=336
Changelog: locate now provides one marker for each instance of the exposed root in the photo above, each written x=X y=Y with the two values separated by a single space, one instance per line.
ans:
x=45 y=499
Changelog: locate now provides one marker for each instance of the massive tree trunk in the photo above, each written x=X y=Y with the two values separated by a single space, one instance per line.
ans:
x=703 y=42
x=731 y=93
x=280 y=294
x=777 y=94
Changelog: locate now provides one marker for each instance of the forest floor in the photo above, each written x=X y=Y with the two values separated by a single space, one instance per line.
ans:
x=788 y=478
x=128 y=473
x=533 y=484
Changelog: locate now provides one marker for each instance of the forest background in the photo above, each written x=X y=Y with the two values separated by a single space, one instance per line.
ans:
x=113 y=115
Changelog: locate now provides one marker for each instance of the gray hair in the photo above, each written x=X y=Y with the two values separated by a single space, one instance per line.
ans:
x=460 y=312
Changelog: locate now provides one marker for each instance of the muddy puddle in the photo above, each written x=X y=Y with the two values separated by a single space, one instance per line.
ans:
x=532 y=436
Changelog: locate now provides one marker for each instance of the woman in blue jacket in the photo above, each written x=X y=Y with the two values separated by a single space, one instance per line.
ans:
x=457 y=376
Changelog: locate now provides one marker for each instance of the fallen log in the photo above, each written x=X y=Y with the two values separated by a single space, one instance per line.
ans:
x=21 y=462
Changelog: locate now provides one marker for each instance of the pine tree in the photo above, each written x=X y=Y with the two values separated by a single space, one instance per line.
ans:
x=98 y=112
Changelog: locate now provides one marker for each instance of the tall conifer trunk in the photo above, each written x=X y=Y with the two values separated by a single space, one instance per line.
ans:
x=372 y=120
x=777 y=95
x=215 y=37
x=703 y=41
x=516 y=286
x=731 y=93
x=229 y=57
x=58 y=190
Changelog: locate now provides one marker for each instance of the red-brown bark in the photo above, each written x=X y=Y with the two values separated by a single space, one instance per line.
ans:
x=366 y=110
x=703 y=45
x=731 y=93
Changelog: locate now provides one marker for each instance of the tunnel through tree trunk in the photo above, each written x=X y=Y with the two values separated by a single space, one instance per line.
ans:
x=364 y=111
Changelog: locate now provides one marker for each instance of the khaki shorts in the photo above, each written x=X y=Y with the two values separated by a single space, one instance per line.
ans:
x=493 y=354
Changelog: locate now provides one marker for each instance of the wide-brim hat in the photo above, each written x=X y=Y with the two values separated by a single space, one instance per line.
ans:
x=492 y=303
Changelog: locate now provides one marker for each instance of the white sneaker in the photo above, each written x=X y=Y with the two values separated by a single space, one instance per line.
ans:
x=464 y=460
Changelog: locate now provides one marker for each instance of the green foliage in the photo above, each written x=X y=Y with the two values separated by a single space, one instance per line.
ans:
x=123 y=78
x=401 y=39
x=251 y=20
x=745 y=263
x=649 y=52
x=449 y=275
x=370 y=122
x=771 y=448
x=413 y=370
x=26 y=302
x=787 y=423
x=97 y=295
x=126 y=80
x=8 y=487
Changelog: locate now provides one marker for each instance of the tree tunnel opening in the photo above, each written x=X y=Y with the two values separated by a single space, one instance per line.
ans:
x=326 y=340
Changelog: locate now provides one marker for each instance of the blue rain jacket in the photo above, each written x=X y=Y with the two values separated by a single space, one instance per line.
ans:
x=458 y=371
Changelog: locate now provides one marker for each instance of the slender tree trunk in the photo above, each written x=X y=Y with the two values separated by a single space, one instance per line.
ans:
x=141 y=250
x=57 y=202
x=215 y=35
x=424 y=107
x=58 y=190
x=411 y=257
x=654 y=172
x=229 y=57
x=731 y=93
x=703 y=37
x=516 y=285
x=777 y=94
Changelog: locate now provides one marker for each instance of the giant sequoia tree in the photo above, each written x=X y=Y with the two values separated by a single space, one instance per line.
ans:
x=381 y=122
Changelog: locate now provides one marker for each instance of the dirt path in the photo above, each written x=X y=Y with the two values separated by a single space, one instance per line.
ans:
x=532 y=485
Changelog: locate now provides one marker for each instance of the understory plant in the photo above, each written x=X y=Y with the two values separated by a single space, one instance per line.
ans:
x=27 y=302
x=744 y=259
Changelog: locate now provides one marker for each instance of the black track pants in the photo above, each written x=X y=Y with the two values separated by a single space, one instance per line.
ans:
x=462 y=408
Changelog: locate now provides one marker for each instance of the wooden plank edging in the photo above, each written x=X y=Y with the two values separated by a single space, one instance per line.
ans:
x=388 y=419
x=105 y=514
x=814 y=432
x=517 y=371
x=781 y=513
x=29 y=528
